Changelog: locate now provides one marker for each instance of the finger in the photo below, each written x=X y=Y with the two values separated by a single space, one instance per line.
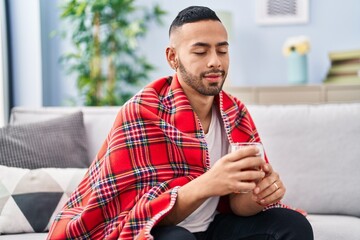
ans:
x=250 y=175
x=248 y=163
x=273 y=198
x=242 y=153
x=267 y=182
x=267 y=168
x=247 y=181
x=244 y=187
x=271 y=189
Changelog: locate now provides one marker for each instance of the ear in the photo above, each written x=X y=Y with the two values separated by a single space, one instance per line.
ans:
x=171 y=57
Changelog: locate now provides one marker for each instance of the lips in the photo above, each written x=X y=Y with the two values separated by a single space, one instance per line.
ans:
x=213 y=77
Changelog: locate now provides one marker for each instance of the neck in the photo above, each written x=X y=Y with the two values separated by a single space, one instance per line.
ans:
x=201 y=104
x=203 y=109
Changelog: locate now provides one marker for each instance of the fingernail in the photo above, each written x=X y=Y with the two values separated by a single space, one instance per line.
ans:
x=256 y=190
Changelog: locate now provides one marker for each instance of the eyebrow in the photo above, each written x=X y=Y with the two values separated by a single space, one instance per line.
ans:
x=202 y=44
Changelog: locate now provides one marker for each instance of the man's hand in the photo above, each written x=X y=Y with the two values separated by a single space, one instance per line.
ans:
x=270 y=189
x=236 y=172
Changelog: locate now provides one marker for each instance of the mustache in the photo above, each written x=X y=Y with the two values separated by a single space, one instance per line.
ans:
x=222 y=72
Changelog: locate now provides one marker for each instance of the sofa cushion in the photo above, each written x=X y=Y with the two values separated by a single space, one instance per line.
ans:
x=59 y=142
x=337 y=227
x=315 y=148
x=24 y=236
x=97 y=121
x=30 y=199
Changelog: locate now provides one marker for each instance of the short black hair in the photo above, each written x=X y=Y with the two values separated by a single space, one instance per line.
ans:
x=193 y=14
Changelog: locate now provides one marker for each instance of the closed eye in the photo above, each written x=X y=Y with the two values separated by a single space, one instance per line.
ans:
x=222 y=50
x=199 y=53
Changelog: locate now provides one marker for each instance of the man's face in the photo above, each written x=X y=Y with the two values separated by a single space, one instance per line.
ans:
x=202 y=56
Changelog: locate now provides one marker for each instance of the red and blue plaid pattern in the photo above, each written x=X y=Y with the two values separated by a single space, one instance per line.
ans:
x=155 y=146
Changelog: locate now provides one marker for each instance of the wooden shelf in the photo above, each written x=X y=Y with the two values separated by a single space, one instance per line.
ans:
x=304 y=94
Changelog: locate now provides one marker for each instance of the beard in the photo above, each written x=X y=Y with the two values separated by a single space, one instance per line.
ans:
x=196 y=82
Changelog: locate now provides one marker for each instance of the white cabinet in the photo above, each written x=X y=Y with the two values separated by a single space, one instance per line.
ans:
x=304 y=94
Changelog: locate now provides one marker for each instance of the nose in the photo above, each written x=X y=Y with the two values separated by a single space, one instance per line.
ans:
x=214 y=60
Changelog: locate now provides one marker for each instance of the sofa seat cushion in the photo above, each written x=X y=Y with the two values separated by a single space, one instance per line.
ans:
x=337 y=227
x=24 y=236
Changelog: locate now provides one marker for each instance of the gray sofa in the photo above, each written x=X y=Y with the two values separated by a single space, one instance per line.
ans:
x=315 y=148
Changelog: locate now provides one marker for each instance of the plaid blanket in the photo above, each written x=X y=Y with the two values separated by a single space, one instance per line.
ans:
x=155 y=146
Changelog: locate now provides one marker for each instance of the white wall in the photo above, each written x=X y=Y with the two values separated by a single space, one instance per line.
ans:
x=255 y=51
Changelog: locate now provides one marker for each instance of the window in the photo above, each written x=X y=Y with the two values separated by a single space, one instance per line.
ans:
x=269 y=12
x=4 y=89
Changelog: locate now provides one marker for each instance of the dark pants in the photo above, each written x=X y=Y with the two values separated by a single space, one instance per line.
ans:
x=273 y=224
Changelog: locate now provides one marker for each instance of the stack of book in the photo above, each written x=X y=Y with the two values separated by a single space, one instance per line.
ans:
x=345 y=67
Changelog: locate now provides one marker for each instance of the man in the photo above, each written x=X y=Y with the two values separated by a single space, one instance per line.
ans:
x=165 y=172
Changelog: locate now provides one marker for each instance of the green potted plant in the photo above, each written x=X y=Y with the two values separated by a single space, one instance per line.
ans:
x=105 y=59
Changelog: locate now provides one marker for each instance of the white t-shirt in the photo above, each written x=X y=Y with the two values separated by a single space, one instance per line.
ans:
x=201 y=218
